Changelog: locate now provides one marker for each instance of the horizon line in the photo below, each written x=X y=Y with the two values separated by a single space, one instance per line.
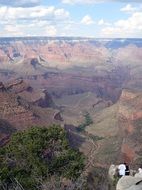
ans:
x=75 y=37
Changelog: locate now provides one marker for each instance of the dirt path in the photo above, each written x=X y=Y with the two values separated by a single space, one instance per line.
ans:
x=91 y=157
x=81 y=181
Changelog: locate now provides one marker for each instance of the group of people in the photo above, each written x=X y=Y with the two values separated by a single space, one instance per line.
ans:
x=123 y=170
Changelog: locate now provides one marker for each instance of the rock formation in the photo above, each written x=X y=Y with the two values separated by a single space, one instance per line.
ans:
x=57 y=79
x=129 y=183
x=14 y=110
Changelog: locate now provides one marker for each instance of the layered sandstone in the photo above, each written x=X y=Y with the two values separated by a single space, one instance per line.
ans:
x=54 y=53
x=14 y=110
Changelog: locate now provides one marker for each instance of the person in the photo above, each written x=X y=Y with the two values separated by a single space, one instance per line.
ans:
x=127 y=171
x=121 y=170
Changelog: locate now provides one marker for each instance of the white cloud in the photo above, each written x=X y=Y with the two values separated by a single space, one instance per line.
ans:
x=39 y=20
x=131 y=27
x=87 y=20
x=102 y=22
x=128 y=8
x=13 y=30
x=12 y=13
x=61 y=13
x=34 y=29
x=50 y=31
x=20 y=3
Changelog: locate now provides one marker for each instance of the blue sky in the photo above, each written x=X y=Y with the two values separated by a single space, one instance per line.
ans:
x=86 y=18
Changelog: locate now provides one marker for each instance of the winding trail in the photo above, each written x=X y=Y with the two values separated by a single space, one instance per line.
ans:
x=90 y=161
x=81 y=181
x=91 y=157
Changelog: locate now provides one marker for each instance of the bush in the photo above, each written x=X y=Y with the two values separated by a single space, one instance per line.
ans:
x=87 y=121
x=32 y=156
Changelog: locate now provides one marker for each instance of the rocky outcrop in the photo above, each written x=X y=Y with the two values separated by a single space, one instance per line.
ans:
x=126 y=182
x=130 y=104
x=72 y=67
x=127 y=95
x=129 y=111
x=45 y=101
x=2 y=87
x=14 y=110
x=53 y=52
x=23 y=106
x=36 y=97
x=19 y=86
x=58 y=117
x=112 y=172
x=129 y=183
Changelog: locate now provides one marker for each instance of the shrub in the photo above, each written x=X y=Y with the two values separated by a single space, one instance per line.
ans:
x=33 y=155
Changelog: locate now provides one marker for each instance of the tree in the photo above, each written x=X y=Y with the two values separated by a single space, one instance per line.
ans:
x=33 y=156
x=87 y=121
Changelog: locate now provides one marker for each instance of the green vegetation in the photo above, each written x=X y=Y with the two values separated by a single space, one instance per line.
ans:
x=87 y=121
x=34 y=156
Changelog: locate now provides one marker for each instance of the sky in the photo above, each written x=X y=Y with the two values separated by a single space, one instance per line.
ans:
x=83 y=18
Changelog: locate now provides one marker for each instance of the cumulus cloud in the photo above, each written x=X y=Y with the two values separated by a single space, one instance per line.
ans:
x=131 y=27
x=39 y=20
x=29 y=29
x=20 y=3
x=40 y=12
x=13 y=30
x=102 y=22
x=128 y=8
x=87 y=20
x=50 y=31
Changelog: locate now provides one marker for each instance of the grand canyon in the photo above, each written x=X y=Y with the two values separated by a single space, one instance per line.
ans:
x=57 y=80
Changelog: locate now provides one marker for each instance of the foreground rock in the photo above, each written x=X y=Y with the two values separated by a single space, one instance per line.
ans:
x=112 y=171
x=129 y=183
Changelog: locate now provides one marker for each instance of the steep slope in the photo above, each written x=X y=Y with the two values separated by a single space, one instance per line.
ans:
x=22 y=107
x=102 y=77
x=52 y=52
x=25 y=66
x=130 y=117
x=37 y=97
x=14 y=109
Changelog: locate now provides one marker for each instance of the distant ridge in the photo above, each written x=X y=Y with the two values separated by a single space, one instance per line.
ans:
x=107 y=42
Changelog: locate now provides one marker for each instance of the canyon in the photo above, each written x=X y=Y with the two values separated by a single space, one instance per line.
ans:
x=55 y=80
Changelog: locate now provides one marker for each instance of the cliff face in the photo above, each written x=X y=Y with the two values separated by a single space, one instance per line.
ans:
x=53 y=52
x=100 y=76
x=22 y=106
x=15 y=113
x=130 y=111
x=37 y=97
x=13 y=110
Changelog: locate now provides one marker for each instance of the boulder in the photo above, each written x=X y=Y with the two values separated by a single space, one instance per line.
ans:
x=139 y=175
x=129 y=183
x=112 y=172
